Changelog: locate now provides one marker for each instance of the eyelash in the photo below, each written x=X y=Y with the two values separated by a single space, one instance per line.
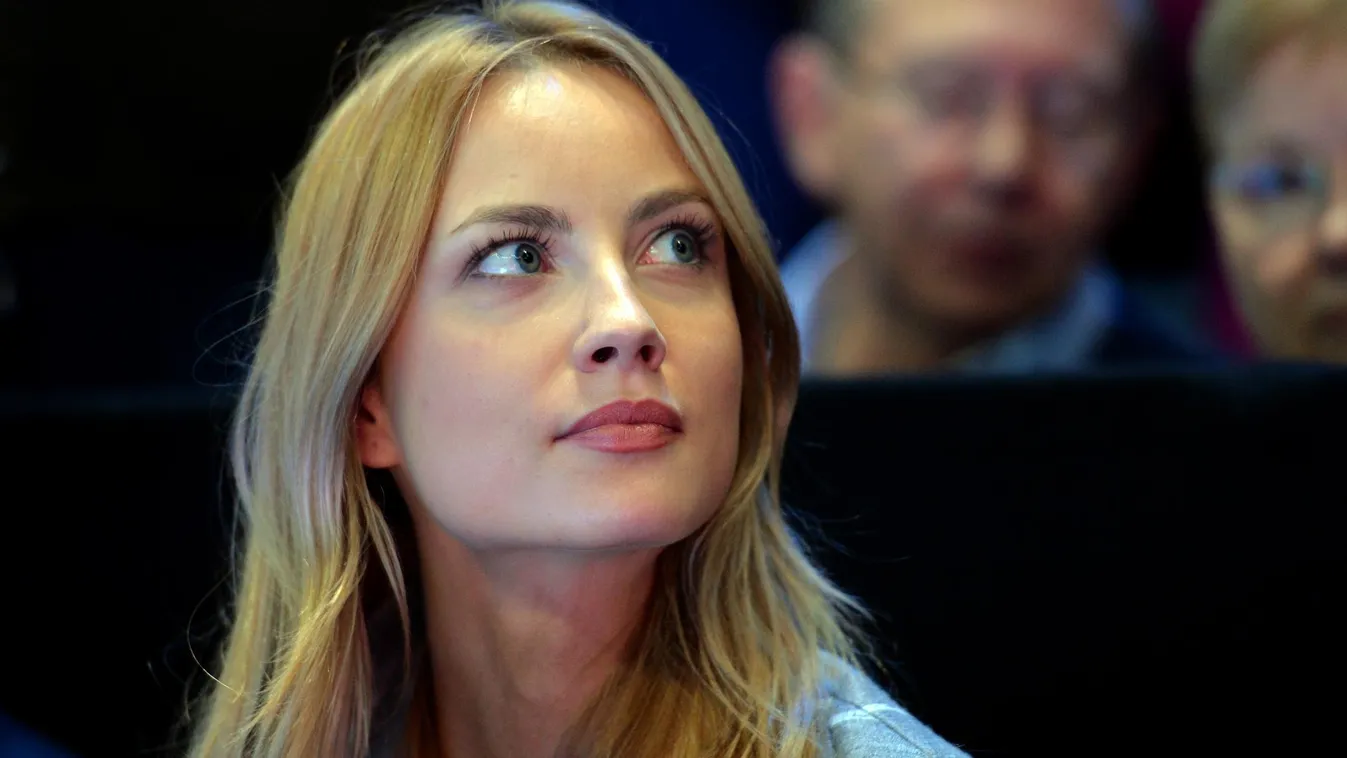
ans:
x=703 y=231
x=498 y=241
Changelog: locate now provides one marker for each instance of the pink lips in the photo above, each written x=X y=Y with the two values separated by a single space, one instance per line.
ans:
x=626 y=427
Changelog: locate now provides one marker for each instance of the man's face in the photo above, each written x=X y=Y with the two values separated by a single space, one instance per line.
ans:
x=977 y=149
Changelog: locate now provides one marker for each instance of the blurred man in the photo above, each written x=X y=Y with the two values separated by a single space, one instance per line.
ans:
x=972 y=151
x=1271 y=87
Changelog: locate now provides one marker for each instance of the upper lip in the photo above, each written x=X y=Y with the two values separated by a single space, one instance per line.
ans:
x=628 y=412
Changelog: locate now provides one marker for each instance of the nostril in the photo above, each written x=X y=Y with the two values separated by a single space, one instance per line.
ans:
x=647 y=353
x=604 y=354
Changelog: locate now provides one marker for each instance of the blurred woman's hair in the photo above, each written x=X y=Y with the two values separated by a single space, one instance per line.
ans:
x=729 y=662
x=1235 y=36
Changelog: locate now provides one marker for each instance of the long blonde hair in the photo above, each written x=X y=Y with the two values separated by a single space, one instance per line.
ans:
x=729 y=663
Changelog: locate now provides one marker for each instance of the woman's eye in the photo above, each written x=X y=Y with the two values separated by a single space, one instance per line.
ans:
x=1268 y=182
x=676 y=246
x=1271 y=182
x=512 y=259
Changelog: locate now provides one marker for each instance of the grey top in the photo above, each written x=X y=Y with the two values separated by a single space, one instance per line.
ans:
x=864 y=722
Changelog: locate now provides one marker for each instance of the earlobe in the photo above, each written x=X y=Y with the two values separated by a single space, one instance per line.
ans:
x=374 y=438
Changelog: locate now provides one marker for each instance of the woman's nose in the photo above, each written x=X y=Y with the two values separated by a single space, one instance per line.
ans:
x=619 y=332
x=1331 y=242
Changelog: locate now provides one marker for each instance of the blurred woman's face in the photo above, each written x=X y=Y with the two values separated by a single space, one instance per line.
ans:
x=1279 y=196
x=567 y=373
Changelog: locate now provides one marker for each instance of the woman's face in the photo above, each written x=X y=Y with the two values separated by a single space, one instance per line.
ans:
x=1279 y=195
x=573 y=266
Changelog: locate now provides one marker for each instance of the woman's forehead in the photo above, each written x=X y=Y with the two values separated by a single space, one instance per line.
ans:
x=557 y=105
x=1295 y=96
x=550 y=134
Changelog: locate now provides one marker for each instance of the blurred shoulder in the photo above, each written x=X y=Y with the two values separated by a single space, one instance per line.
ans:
x=1138 y=337
x=863 y=721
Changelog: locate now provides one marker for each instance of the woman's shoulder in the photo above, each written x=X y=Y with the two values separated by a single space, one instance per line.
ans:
x=863 y=721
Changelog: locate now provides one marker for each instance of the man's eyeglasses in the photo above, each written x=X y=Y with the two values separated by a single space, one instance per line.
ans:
x=1064 y=108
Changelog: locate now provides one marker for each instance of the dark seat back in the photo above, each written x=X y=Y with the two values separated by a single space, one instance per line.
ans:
x=1115 y=565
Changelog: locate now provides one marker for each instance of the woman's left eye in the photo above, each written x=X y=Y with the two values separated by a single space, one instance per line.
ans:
x=677 y=246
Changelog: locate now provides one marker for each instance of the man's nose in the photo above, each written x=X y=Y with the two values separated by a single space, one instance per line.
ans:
x=1003 y=152
x=1331 y=240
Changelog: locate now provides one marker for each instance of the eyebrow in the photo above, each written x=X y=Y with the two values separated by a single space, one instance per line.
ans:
x=1263 y=145
x=549 y=219
x=533 y=216
x=653 y=205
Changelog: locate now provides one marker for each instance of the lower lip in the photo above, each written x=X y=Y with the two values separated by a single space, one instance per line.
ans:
x=623 y=438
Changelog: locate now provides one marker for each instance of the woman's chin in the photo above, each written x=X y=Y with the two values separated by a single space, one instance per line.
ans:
x=614 y=524
x=619 y=513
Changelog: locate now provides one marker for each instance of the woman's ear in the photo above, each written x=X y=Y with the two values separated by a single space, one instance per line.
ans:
x=374 y=437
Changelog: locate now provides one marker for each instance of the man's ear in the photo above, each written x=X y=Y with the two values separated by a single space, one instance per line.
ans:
x=374 y=437
x=804 y=90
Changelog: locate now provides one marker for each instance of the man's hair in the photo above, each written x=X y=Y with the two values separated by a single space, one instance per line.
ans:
x=1233 y=38
x=837 y=22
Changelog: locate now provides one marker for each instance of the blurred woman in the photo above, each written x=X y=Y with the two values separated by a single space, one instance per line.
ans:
x=1270 y=91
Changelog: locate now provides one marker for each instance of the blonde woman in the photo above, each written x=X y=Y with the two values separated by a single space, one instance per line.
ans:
x=509 y=447
x=1269 y=83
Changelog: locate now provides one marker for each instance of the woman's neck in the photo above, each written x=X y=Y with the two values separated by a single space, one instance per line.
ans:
x=520 y=643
